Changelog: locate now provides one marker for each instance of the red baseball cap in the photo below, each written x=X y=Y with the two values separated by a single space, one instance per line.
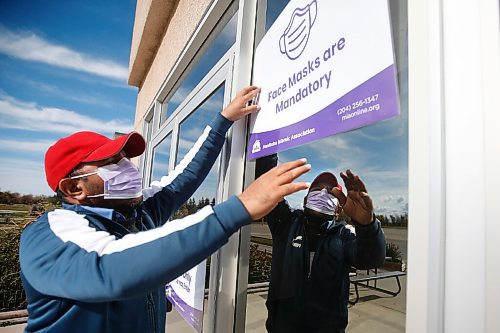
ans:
x=67 y=153
x=326 y=178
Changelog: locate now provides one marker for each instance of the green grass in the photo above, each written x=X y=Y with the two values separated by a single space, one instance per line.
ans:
x=16 y=207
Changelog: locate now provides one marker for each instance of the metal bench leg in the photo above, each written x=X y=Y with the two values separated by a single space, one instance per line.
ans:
x=390 y=292
x=357 y=295
x=399 y=286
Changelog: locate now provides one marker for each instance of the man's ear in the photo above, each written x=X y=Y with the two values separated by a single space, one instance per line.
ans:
x=72 y=189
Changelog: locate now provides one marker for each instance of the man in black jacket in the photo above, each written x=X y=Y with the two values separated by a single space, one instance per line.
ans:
x=313 y=253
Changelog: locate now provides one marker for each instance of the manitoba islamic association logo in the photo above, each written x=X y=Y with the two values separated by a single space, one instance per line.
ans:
x=296 y=35
x=256 y=147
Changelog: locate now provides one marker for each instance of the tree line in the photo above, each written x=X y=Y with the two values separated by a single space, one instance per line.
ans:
x=393 y=220
x=190 y=207
x=13 y=198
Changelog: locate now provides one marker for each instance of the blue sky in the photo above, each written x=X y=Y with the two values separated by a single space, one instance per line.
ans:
x=63 y=68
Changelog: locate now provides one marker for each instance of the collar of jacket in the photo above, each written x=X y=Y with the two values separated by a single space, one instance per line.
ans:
x=330 y=226
x=116 y=222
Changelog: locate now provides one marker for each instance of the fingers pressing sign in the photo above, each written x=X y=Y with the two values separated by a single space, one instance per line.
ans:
x=265 y=192
x=239 y=107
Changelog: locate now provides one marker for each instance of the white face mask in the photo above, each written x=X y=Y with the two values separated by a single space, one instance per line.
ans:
x=121 y=181
x=322 y=201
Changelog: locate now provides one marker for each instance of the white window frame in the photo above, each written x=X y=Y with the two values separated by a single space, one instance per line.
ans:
x=454 y=270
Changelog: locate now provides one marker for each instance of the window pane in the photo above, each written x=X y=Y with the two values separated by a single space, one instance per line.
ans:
x=218 y=47
x=274 y=8
x=161 y=156
x=379 y=155
x=190 y=130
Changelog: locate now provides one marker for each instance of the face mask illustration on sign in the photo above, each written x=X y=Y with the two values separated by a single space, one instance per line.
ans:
x=296 y=35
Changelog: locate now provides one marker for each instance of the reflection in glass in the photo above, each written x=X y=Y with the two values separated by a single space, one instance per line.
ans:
x=379 y=154
x=274 y=8
x=190 y=130
x=161 y=156
x=219 y=46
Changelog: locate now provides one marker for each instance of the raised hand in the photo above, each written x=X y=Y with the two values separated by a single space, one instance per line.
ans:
x=238 y=108
x=358 y=204
x=265 y=192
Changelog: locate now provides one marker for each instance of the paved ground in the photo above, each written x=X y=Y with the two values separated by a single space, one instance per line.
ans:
x=375 y=312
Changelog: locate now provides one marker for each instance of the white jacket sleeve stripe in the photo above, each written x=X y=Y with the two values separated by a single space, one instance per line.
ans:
x=72 y=227
x=157 y=186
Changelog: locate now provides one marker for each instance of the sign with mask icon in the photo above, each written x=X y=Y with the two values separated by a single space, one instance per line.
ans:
x=324 y=67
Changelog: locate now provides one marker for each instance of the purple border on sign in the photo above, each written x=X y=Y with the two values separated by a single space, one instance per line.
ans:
x=193 y=317
x=331 y=120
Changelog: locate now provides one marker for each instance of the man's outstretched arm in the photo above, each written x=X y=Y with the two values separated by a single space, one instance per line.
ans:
x=62 y=255
x=366 y=247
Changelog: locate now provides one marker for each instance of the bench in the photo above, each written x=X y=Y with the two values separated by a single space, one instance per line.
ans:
x=364 y=281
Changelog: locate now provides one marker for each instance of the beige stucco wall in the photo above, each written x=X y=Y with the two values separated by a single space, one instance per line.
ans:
x=141 y=12
x=182 y=25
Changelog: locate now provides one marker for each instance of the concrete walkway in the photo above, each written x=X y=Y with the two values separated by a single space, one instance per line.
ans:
x=375 y=312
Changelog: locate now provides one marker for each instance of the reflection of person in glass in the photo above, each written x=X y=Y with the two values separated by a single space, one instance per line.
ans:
x=313 y=253
x=101 y=263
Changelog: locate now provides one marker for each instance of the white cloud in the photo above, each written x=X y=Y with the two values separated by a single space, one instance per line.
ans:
x=28 y=46
x=63 y=93
x=28 y=116
x=388 y=188
x=25 y=146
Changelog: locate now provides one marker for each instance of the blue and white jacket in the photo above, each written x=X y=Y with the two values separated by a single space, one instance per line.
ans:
x=83 y=272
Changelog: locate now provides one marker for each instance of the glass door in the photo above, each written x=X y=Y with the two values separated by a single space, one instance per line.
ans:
x=189 y=293
x=379 y=155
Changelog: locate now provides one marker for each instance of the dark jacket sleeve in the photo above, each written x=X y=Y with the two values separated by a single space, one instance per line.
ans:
x=280 y=215
x=366 y=248
x=264 y=164
x=282 y=212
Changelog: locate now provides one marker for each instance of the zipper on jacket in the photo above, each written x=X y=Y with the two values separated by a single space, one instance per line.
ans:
x=151 y=310
x=310 y=264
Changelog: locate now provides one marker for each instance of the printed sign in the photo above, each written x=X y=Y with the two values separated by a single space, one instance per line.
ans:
x=186 y=293
x=325 y=67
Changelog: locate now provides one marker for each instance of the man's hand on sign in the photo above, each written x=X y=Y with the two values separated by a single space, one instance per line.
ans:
x=265 y=192
x=240 y=107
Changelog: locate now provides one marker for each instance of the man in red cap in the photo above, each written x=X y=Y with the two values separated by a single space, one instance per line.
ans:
x=313 y=252
x=101 y=263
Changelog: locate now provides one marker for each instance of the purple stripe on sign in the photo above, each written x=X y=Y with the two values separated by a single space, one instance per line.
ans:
x=370 y=102
x=192 y=316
